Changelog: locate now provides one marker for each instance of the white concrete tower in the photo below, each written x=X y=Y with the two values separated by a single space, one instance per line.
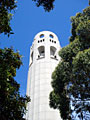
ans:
x=43 y=60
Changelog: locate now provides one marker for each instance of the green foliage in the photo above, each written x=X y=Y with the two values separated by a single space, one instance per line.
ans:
x=47 y=4
x=71 y=78
x=12 y=105
x=6 y=6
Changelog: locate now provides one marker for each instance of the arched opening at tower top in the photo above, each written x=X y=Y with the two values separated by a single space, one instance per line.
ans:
x=52 y=52
x=41 y=51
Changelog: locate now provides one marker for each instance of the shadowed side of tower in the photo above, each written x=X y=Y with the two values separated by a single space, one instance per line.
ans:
x=43 y=60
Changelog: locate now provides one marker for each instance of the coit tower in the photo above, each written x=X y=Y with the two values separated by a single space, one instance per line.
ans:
x=43 y=60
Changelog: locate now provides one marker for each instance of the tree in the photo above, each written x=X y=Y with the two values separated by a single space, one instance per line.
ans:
x=6 y=7
x=12 y=105
x=71 y=78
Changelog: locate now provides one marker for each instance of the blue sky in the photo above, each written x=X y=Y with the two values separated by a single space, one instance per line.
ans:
x=28 y=20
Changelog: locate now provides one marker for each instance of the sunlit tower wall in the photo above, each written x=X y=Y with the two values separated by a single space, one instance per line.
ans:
x=43 y=60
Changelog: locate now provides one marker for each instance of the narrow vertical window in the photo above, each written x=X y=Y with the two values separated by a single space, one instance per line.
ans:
x=31 y=57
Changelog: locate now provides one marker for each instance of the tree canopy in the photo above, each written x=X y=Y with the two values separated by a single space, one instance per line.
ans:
x=71 y=78
x=12 y=105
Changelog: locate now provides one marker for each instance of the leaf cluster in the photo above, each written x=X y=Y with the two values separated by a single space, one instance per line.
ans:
x=47 y=4
x=6 y=7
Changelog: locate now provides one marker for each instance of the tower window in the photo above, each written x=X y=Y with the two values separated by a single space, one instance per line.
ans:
x=42 y=35
x=40 y=40
x=31 y=57
x=41 y=51
x=52 y=52
x=51 y=36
